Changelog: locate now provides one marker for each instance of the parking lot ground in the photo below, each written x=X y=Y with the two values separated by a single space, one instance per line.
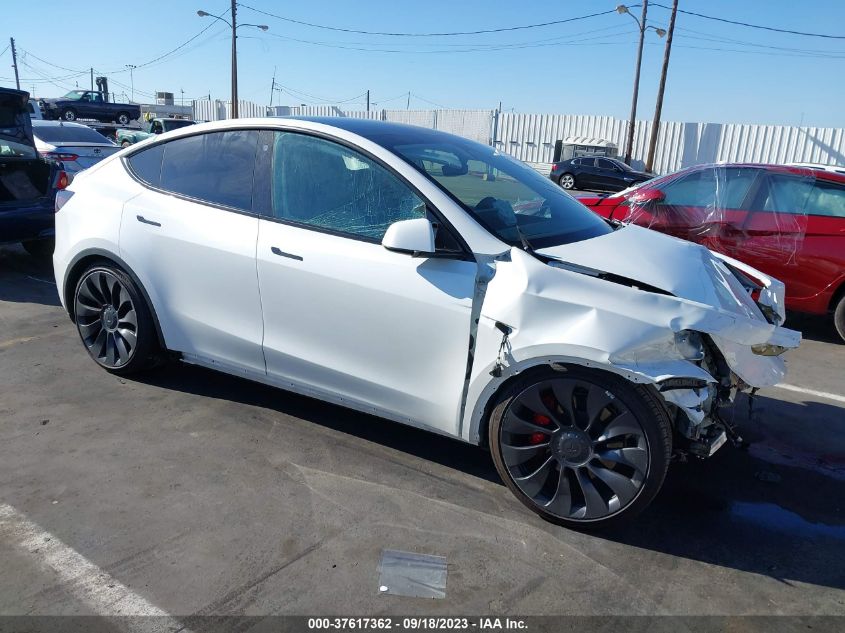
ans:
x=187 y=492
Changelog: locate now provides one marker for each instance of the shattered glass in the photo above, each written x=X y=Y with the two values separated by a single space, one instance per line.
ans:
x=325 y=184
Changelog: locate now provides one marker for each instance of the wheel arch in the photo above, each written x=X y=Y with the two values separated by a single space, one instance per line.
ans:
x=477 y=423
x=837 y=295
x=83 y=260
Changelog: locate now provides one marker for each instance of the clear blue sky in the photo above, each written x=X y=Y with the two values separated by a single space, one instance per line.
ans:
x=583 y=67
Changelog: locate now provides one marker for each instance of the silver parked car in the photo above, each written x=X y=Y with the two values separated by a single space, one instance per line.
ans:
x=75 y=145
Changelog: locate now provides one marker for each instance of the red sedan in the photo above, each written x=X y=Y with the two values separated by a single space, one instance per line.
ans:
x=789 y=222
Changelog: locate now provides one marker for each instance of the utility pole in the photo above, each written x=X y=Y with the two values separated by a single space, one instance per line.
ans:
x=234 y=60
x=408 y=105
x=658 y=108
x=629 y=145
x=273 y=85
x=182 y=90
x=92 y=79
x=132 y=68
x=368 y=100
x=15 y=62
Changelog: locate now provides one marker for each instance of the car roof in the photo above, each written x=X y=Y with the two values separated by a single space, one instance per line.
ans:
x=799 y=170
x=44 y=123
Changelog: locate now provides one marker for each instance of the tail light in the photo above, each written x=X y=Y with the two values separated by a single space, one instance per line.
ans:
x=62 y=197
x=59 y=156
x=62 y=181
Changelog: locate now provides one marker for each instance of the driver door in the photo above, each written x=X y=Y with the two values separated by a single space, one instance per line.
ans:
x=344 y=317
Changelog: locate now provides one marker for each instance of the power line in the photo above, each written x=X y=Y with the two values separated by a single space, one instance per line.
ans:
x=753 y=26
x=797 y=52
x=439 y=105
x=449 y=34
x=591 y=41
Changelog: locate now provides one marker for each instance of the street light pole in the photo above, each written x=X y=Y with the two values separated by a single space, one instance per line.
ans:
x=234 y=60
x=234 y=24
x=632 y=121
x=658 y=108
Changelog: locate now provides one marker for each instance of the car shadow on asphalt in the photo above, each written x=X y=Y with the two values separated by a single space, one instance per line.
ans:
x=26 y=279
x=814 y=327
x=734 y=510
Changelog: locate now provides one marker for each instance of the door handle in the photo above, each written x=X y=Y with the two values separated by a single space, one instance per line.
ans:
x=144 y=220
x=278 y=251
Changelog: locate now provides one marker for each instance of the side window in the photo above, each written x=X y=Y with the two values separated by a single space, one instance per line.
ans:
x=787 y=194
x=603 y=163
x=156 y=127
x=327 y=185
x=711 y=187
x=216 y=167
x=146 y=164
x=827 y=199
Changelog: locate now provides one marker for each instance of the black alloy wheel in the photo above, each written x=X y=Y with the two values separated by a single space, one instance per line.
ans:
x=581 y=448
x=114 y=321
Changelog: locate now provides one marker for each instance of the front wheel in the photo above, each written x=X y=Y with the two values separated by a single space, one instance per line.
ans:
x=839 y=317
x=125 y=144
x=581 y=448
x=114 y=321
x=69 y=114
x=567 y=181
x=123 y=118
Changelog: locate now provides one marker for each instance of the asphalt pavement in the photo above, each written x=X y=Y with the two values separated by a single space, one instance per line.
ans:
x=187 y=492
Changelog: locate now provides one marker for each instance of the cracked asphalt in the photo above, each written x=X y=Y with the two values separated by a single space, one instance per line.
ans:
x=197 y=493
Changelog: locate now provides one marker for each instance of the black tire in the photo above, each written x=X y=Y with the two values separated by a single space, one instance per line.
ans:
x=69 y=114
x=654 y=431
x=567 y=181
x=99 y=288
x=123 y=118
x=40 y=249
x=839 y=317
x=125 y=144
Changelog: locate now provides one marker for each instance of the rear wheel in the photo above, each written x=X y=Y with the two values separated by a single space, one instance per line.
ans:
x=114 y=321
x=69 y=114
x=581 y=448
x=40 y=249
x=567 y=181
x=839 y=317
x=123 y=118
x=125 y=144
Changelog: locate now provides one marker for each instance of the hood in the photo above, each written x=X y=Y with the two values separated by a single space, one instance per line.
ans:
x=650 y=260
x=15 y=124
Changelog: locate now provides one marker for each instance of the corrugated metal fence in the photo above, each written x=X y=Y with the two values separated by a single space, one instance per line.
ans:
x=531 y=137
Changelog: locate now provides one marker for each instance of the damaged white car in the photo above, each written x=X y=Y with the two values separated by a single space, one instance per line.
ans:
x=427 y=279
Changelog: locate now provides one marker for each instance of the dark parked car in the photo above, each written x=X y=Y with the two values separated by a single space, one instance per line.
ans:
x=28 y=183
x=788 y=222
x=89 y=104
x=596 y=172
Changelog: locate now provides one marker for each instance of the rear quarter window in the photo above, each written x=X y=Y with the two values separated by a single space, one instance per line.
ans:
x=827 y=199
x=146 y=164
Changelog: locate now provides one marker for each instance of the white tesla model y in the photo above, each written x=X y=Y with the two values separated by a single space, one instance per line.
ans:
x=427 y=279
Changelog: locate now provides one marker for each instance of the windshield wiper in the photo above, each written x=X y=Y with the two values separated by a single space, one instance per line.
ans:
x=526 y=245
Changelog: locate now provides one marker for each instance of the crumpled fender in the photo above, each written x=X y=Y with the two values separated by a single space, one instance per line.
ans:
x=557 y=315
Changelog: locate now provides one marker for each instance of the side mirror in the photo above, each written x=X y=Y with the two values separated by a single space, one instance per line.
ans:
x=647 y=194
x=415 y=237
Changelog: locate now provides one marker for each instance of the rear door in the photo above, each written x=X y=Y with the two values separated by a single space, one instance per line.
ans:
x=588 y=174
x=796 y=233
x=191 y=236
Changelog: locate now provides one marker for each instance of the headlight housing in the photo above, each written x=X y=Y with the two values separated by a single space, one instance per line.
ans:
x=689 y=345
